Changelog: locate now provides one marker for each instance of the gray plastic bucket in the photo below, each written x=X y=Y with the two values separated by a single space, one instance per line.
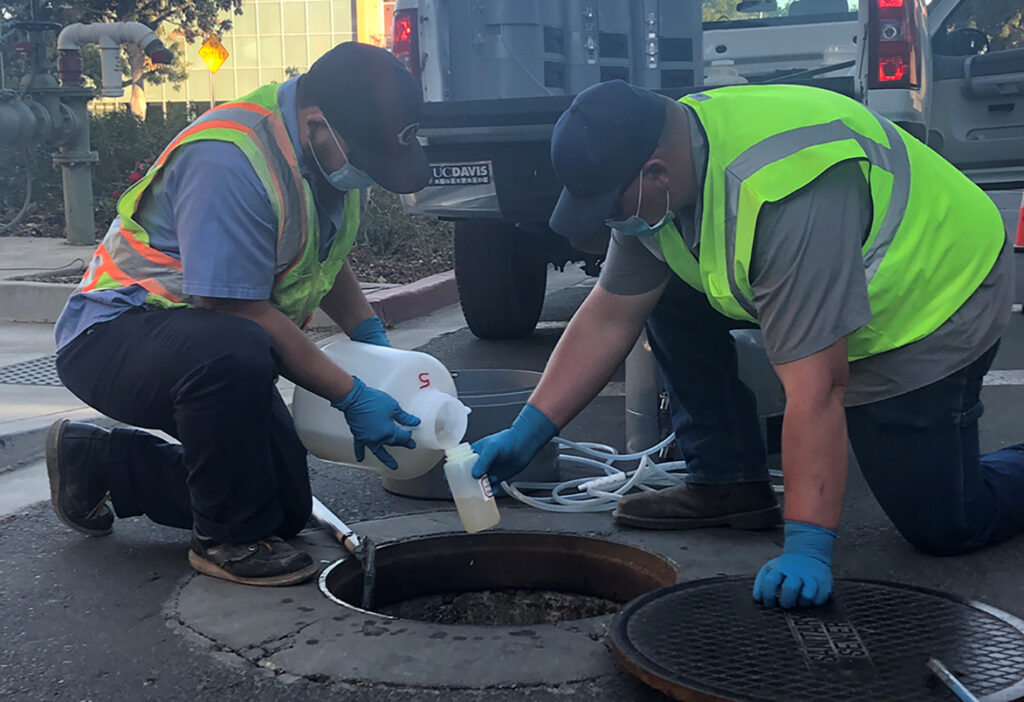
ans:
x=495 y=398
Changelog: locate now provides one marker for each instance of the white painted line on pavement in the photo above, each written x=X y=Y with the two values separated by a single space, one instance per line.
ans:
x=1004 y=377
x=561 y=324
x=614 y=389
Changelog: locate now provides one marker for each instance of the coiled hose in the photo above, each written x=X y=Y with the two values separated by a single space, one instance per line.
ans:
x=601 y=492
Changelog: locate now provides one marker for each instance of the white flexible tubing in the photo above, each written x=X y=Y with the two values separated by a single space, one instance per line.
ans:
x=589 y=496
x=606 y=452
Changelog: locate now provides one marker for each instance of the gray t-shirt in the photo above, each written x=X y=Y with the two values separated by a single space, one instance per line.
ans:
x=807 y=274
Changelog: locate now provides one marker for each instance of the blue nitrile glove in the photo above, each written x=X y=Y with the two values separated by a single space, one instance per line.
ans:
x=370 y=331
x=504 y=454
x=803 y=573
x=371 y=415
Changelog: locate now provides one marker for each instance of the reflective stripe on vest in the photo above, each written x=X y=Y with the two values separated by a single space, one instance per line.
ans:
x=280 y=171
x=893 y=159
x=253 y=125
x=934 y=235
x=258 y=130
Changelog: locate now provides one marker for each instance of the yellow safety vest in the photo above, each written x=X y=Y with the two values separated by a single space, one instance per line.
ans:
x=255 y=126
x=934 y=234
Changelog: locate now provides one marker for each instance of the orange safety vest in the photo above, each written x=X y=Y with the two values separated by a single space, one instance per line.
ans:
x=254 y=124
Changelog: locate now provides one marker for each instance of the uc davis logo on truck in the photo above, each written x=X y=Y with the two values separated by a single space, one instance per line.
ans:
x=478 y=173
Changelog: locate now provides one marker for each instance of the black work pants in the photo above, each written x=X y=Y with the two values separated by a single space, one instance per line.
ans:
x=207 y=379
x=919 y=451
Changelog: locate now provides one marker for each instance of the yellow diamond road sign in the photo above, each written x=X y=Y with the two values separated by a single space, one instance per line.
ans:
x=213 y=53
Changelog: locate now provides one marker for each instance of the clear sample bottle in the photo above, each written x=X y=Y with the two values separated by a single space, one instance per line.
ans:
x=473 y=496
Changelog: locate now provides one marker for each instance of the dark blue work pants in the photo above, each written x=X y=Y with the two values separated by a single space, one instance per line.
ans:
x=207 y=379
x=918 y=451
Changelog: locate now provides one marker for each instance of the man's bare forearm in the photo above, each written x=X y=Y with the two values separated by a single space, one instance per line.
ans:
x=815 y=461
x=345 y=303
x=596 y=341
x=815 y=454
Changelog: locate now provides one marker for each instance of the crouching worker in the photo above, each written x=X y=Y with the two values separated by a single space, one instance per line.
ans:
x=193 y=306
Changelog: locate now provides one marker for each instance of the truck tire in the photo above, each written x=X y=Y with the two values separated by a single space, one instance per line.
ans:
x=501 y=279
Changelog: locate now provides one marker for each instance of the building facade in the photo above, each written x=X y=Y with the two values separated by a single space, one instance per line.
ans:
x=270 y=41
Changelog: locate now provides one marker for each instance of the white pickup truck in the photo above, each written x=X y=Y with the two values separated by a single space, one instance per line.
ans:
x=496 y=74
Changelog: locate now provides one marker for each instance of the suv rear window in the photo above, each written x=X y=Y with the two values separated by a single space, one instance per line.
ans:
x=1001 y=21
x=730 y=14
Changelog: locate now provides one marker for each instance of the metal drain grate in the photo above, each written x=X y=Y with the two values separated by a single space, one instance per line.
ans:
x=43 y=371
x=38 y=371
x=871 y=642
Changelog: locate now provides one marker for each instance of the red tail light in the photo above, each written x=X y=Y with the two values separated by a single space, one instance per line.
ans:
x=893 y=45
x=406 y=44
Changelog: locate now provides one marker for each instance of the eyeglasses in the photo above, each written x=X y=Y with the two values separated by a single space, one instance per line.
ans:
x=406 y=136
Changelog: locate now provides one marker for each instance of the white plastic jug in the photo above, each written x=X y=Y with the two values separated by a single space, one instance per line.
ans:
x=421 y=385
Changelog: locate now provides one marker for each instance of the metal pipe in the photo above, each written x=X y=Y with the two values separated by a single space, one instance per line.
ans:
x=643 y=392
x=364 y=549
x=75 y=36
x=76 y=159
x=110 y=36
x=337 y=528
x=18 y=123
x=951 y=681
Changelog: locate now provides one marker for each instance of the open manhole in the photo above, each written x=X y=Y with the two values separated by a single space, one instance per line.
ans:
x=501 y=578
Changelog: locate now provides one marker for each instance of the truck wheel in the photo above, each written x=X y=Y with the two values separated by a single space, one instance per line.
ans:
x=500 y=277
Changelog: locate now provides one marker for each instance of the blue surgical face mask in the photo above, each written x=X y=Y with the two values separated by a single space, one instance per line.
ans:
x=346 y=178
x=636 y=225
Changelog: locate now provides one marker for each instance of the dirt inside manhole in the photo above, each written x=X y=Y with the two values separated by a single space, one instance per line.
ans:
x=501 y=578
x=502 y=608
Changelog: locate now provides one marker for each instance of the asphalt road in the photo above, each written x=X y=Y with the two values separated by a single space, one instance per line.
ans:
x=88 y=619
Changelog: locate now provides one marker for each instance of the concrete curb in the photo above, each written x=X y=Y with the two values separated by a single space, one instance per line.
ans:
x=27 y=301
x=22 y=442
x=417 y=299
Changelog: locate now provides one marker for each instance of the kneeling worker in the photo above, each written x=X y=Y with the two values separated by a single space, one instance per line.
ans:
x=879 y=274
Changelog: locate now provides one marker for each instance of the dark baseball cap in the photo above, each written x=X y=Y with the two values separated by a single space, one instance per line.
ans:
x=598 y=148
x=372 y=100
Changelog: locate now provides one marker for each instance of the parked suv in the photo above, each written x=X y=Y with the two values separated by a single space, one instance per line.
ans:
x=496 y=74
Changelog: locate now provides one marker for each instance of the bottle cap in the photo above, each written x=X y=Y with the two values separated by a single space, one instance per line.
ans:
x=460 y=452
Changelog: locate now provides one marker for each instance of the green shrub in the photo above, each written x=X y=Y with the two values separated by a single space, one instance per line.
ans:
x=395 y=247
x=391 y=246
x=126 y=144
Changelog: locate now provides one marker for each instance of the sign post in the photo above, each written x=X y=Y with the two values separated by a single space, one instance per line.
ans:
x=213 y=54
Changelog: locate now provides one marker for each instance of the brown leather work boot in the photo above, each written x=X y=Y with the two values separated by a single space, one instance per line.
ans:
x=691 y=506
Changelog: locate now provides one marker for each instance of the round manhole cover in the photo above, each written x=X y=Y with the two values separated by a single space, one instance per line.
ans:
x=709 y=640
